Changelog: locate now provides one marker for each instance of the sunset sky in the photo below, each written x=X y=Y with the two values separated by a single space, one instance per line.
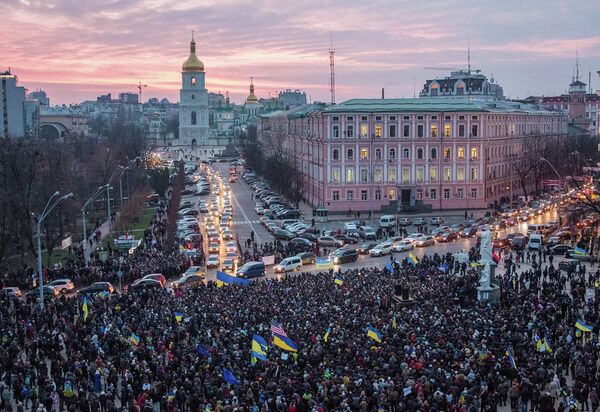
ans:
x=78 y=49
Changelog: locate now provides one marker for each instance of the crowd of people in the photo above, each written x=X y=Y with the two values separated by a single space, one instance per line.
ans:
x=442 y=351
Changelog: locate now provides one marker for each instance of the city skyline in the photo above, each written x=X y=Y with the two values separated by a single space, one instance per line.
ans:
x=80 y=50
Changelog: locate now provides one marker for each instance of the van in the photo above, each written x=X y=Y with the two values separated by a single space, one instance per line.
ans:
x=387 y=221
x=535 y=241
x=251 y=270
x=535 y=228
x=288 y=264
x=350 y=229
x=366 y=232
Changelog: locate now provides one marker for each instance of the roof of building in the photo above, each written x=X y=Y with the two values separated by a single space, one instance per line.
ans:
x=297 y=112
x=577 y=83
x=434 y=105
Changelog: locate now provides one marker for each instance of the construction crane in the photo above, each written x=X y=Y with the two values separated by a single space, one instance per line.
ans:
x=139 y=86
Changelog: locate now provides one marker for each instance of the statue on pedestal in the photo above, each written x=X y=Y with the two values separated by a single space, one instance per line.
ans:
x=486 y=259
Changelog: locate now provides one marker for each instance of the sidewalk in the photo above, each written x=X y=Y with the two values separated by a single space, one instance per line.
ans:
x=104 y=231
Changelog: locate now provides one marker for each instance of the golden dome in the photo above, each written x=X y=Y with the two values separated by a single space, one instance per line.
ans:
x=193 y=63
x=251 y=97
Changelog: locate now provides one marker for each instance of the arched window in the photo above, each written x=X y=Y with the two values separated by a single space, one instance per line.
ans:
x=364 y=153
x=419 y=153
x=434 y=89
x=193 y=80
x=377 y=153
x=434 y=153
x=406 y=153
x=392 y=153
x=460 y=87
x=336 y=154
x=350 y=154
x=473 y=153
x=193 y=117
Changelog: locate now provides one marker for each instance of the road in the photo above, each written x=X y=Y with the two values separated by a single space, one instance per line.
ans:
x=246 y=220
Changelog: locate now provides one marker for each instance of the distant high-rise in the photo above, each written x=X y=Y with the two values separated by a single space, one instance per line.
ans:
x=41 y=97
x=12 y=107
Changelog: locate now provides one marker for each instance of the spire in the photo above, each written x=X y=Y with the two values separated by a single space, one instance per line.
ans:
x=577 y=63
x=193 y=44
x=251 y=97
x=251 y=85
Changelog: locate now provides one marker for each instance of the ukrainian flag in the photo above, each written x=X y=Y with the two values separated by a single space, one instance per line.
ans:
x=511 y=358
x=259 y=348
x=580 y=251
x=543 y=346
x=135 y=339
x=225 y=279
x=285 y=343
x=582 y=326
x=326 y=336
x=374 y=334
x=85 y=309
x=412 y=259
x=339 y=280
x=178 y=316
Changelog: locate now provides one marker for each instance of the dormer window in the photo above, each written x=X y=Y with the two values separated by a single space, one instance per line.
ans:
x=434 y=89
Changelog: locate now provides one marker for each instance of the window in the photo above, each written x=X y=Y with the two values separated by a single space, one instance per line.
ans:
x=473 y=117
x=473 y=130
x=193 y=80
x=473 y=192
x=460 y=88
x=377 y=153
x=350 y=195
x=434 y=89
x=336 y=118
x=350 y=118
x=460 y=193
x=377 y=117
x=335 y=175
x=419 y=195
x=419 y=117
x=193 y=117
x=377 y=194
x=433 y=194
x=378 y=130
x=461 y=117
x=447 y=130
x=447 y=117
x=434 y=153
x=405 y=117
x=460 y=174
x=363 y=195
x=392 y=131
x=461 y=130
x=433 y=173
x=434 y=130
x=420 y=174
x=392 y=117
x=378 y=174
x=446 y=193
x=406 y=153
x=473 y=173
x=349 y=131
x=447 y=153
x=193 y=97
x=419 y=153
x=447 y=174
x=364 y=153
x=336 y=154
x=336 y=131
x=392 y=174
x=405 y=175
x=473 y=153
x=336 y=195
x=419 y=130
x=406 y=130
x=349 y=175
x=364 y=130
x=461 y=153
x=392 y=153
x=392 y=194
x=433 y=117
x=364 y=118
x=350 y=154
x=364 y=175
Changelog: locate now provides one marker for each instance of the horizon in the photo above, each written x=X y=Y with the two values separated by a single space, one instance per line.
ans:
x=107 y=47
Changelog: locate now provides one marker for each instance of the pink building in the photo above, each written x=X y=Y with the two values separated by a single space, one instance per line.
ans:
x=367 y=154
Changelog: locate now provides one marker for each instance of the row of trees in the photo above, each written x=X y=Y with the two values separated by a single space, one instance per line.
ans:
x=32 y=170
x=275 y=163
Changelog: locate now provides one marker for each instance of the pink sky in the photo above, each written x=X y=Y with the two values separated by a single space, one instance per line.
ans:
x=76 y=49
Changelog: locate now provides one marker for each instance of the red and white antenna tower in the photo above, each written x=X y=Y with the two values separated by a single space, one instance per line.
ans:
x=332 y=69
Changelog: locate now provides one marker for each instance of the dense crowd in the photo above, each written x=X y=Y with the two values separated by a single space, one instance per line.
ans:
x=443 y=352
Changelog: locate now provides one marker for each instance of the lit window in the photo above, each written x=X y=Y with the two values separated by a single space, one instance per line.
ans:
x=335 y=175
x=378 y=130
x=364 y=130
x=473 y=153
x=378 y=174
x=433 y=173
x=420 y=174
x=461 y=153
x=434 y=130
x=392 y=175
x=405 y=175
x=434 y=89
x=364 y=154
x=392 y=194
x=193 y=80
x=447 y=130
x=460 y=174
x=349 y=175
x=447 y=174
x=473 y=173
x=447 y=153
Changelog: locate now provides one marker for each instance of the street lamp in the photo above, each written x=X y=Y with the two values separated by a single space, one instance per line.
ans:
x=117 y=171
x=121 y=184
x=92 y=197
x=47 y=210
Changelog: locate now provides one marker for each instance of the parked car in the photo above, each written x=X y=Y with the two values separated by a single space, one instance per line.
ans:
x=283 y=234
x=417 y=221
x=288 y=264
x=366 y=232
x=49 y=293
x=212 y=261
x=251 y=270
x=143 y=284
x=344 y=256
x=346 y=239
x=12 y=292
x=188 y=280
x=307 y=258
x=560 y=249
x=582 y=257
x=301 y=243
x=446 y=237
x=568 y=264
x=436 y=221
x=159 y=277
x=364 y=248
x=308 y=236
x=62 y=285
x=97 y=287
x=404 y=221
x=329 y=241
x=426 y=240
x=382 y=249
x=403 y=245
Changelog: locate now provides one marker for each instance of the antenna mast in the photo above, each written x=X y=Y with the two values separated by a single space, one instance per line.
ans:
x=469 y=54
x=332 y=71
x=577 y=64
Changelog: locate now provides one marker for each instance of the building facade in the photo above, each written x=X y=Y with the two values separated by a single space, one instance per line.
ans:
x=461 y=84
x=12 y=107
x=368 y=154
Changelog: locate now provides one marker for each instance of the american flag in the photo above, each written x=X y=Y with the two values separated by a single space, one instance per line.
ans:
x=277 y=329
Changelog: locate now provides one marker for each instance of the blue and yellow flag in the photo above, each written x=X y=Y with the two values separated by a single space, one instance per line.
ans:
x=580 y=251
x=85 y=309
x=135 y=339
x=389 y=267
x=285 y=343
x=178 y=316
x=511 y=358
x=225 y=279
x=259 y=348
x=326 y=336
x=582 y=326
x=374 y=334
x=412 y=259
x=339 y=280
x=543 y=346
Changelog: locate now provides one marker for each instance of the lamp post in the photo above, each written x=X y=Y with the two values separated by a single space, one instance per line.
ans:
x=93 y=196
x=50 y=206
x=121 y=184
x=117 y=171
x=555 y=171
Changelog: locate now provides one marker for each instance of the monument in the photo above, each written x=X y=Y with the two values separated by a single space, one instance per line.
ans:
x=488 y=291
